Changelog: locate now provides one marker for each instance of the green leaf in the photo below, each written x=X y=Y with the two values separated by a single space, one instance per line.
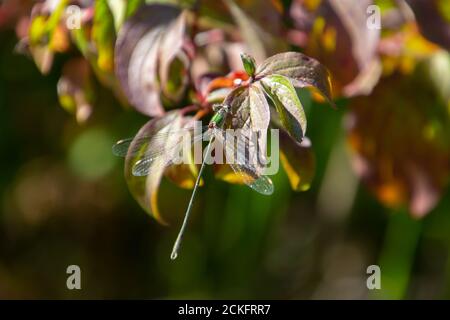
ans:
x=303 y=71
x=104 y=35
x=132 y=6
x=281 y=91
x=249 y=64
x=118 y=9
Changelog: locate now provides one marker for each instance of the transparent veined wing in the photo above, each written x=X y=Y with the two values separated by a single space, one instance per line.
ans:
x=244 y=164
x=122 y=147
x=260 y=183
x=164 y=156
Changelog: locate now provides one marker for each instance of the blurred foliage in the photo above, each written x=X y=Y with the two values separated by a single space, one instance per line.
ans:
x=63 y=196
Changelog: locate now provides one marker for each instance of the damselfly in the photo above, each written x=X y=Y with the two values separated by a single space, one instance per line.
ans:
x=161 y=149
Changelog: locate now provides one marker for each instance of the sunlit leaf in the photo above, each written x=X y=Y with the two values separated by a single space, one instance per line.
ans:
x=118 y=10
x=287 y=104
x=37 y=30
x=302 y=70
x=225 y=173
x=103 y=35
x=183 y=175
x=433 y=17
x=298 y=161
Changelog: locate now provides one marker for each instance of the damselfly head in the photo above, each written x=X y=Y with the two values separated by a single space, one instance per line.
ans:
x=216 y=107
x=224 y=108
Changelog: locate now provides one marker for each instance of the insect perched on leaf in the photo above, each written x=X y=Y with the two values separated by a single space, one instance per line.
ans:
x=161 y=150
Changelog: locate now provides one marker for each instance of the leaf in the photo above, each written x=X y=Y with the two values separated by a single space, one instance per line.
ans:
x=75 y=91
x=249 y=64
x=403 y=51
x=301 y=69
x=118 y=10
x=282 y=93
x=338 y=36
x=103 y=35
x=298 y=161
x=239 y=103
x=138 y=51
x=183 y=175
x=433 y=18
x=145 y=189
x=260 y=42
x=43 y=57
x=177 y=79
x=259 y=115
x=37 y=30
x=82 y=38
x=401 y=141
x=249 y=109
x=249 y=29
x=132 y=6
x=170 y=47
x=45 y=36
x=250 y=112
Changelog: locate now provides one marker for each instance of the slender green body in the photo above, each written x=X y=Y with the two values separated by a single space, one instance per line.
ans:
x=217 y=121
